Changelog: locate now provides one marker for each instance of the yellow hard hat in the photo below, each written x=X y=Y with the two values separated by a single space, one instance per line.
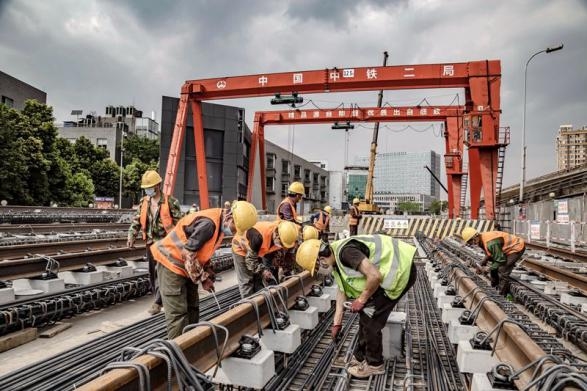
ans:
x=150 y=178
x=244 y=214
x=307 y=255
x=328 y=209
x=356 y=201
x=309 y=232
x=297 y=188
x=288 y=234
x=468 y=233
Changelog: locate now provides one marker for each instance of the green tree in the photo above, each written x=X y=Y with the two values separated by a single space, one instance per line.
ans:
x=409 y=207
x=132 y=178
x=141 y=148
x=87 y=154
x=105 y=176
x=435 y=207
x=81 y=188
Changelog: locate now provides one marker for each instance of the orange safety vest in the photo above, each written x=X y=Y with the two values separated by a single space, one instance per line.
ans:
x=354 y=220
x=288 y=200
x=240 y=244
x=322 y=222
x=511 y=244
x=164 y=215
x=167 y=251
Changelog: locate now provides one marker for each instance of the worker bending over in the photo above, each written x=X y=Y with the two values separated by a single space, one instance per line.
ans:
x=321 y=221
x=354 y=217
x=155 y=218
x=287 y=208
x=258 y=252
x=375 y=271
x=502 y=249
x=184 y=255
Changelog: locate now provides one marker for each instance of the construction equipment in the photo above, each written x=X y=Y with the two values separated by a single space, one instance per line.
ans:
x=368 y=205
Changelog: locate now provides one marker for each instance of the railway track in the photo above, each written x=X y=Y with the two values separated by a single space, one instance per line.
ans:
x=559 y=252
x=23 y=229
x=24 y=251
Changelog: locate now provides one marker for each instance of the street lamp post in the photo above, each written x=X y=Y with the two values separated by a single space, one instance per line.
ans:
x=121 y=167
x=523 y=168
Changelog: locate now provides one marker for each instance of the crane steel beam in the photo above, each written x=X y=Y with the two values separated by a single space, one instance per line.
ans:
x=198 y=344
x=480 y=79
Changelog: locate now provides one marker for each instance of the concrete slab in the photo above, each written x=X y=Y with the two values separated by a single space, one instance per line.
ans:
x=449 y=313
x=119 y=271
x=6 y=295
x=584 y=308
x=284 y=341
x=82 y=278
x=307 y=319
x=330 y=291
x=472 y=360
x=480 y=382
x=438 y=289
x=48 y=286
x=392 y=335
x=254 y=373
x=443 y=299
x=567 y=298
x=459 y=332
x=322 y=303
x=556 y=287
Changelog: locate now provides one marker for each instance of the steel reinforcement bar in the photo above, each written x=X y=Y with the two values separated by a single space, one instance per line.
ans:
x=62 y=227
x=552 y=272
x=55 y=248
x=198 y=345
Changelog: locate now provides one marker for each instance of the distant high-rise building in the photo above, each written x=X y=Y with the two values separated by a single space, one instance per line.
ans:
x=571 y=147
x=336 y=193
x=402 y=177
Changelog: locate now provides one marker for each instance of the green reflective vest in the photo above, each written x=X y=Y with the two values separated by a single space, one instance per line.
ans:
x=392 y=257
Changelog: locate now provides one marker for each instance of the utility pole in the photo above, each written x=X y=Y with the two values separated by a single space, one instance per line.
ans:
x=369 y=205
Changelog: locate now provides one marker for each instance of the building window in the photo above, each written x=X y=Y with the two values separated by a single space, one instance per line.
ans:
x=7 y=101
x=102 y=143
x=285 y=166
x=270 y=161
x=297 y=171
x=270 y=184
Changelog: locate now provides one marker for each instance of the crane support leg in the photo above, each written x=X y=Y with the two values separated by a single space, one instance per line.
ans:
x=474 y=182
x=262 y=166
x=253 y=159
x=176 y=144
x=488 y=160
x=200 y=154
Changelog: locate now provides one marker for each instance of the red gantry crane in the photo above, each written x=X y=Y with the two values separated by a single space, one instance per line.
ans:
x=480 y=79
x=451 y=116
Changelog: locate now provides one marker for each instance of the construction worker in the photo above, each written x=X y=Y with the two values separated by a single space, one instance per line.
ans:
x=256 y=253
x=354 y=217
x=310 y=232
x=287 y=208
x=374 y=271
x=155 y=218
x=502 y=249
x=321 y=221
x=183 y=260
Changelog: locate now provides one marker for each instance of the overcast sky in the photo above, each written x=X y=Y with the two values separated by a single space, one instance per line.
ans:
x=89 y=54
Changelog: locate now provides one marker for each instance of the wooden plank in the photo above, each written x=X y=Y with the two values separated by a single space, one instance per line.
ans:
x=17 y=338
x=53 y=331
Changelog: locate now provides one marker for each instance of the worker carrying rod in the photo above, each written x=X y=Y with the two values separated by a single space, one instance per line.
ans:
x=375 y=271
x=502 y=249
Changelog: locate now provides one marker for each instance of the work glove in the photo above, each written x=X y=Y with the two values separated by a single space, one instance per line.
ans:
x=130 y=242
x=208 y=285
x=335 y=331
x=267 y=275
x=357 y=305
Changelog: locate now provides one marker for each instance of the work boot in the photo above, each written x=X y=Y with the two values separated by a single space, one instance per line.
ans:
x=155 y=309
x=366 y=370
x=354 y=362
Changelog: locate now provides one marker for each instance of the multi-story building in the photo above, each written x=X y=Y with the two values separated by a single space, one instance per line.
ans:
x=283 y=168
x=14 y=92
x=107 y=131
x=402 y=177
x=571 y=147
x=227 y=140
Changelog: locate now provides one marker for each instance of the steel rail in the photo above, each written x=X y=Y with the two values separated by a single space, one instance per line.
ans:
x=561 y=252
x=198 y=345
x=60 y=227
x=32 y=267
x=551 y=272
x=514 y=345
x=75 y=246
